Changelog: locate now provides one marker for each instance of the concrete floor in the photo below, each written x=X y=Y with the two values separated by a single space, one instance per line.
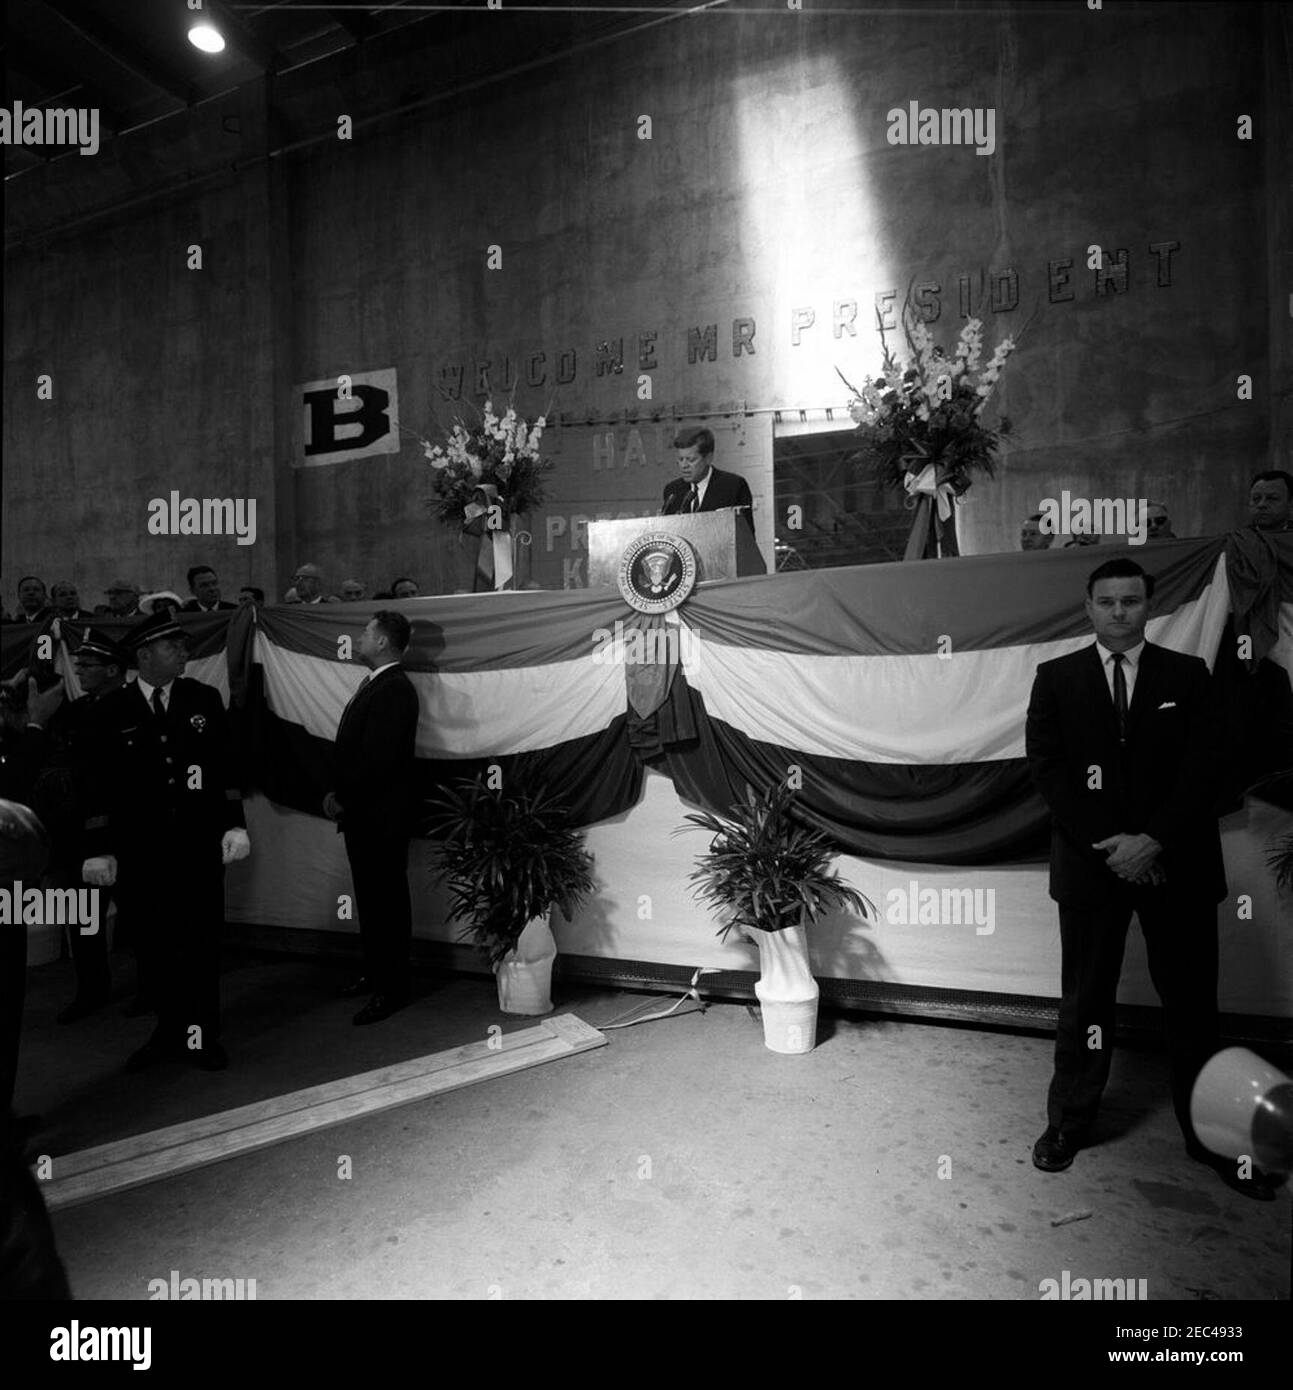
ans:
x=681 y=1161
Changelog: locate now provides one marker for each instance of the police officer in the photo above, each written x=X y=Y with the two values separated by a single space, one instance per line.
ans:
x=163 y=817
x=101 y=667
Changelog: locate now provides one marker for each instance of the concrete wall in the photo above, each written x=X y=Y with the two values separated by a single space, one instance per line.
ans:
x=768 y=190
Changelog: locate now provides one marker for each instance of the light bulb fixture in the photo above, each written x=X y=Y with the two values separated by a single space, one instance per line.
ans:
x=206 y=37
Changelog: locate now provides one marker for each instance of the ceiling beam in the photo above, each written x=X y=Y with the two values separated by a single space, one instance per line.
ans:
x=244 y=38
x=124 y=52
x=23 y=61
x=357 y=24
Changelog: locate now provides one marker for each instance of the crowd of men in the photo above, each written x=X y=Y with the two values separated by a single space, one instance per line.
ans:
x=136 y=791
x=125 y=599
x=1270 y=508
x=1269 y=505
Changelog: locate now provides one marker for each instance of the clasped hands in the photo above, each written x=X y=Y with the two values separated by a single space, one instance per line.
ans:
x=1134 y=858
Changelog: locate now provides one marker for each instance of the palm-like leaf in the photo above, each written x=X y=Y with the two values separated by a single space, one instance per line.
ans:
x=1280 y=862
x=506 y=856
x=763 y=872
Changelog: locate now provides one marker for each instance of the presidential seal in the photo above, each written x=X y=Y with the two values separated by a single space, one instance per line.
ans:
x=657 y=572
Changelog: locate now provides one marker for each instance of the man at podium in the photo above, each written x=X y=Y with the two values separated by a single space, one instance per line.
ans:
x=700 y=487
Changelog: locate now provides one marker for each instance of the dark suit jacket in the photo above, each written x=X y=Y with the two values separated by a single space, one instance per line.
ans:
x=376 y=745
x=140 y=791
x=193 y=606
x=1165 y=782
x=722 y=490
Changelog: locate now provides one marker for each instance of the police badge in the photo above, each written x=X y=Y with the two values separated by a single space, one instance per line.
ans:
x=199 y=722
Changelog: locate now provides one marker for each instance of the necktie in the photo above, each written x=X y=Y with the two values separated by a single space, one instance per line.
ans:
x=159 y=709
x=692 y=503
x=1120 y=695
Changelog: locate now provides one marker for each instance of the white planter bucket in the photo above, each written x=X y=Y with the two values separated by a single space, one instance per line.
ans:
x=525 y=974
x=786 y=991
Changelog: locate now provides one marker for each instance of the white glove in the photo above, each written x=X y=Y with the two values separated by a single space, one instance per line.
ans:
x=235 y=845
x=101 y=872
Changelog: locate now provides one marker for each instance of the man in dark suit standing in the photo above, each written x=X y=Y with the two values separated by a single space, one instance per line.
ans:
x=700 y=487
x=373 y=805
x=1122 y=742
x=163 y=817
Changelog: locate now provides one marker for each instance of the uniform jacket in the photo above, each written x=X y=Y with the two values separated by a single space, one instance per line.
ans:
x=59 y=794
x=141 y=774
x=376 y=746
x=1165 y=782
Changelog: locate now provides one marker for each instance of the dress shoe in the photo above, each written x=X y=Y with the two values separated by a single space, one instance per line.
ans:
x=1054 y=1152
x=212 y=1057
x=153 y=1051
x=82 y=1008
x=1261 y=1186
x=360 y=985
x=137 y=1008
x=381 y=1006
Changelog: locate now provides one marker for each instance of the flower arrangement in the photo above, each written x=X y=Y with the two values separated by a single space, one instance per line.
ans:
x=500 y=453
x=926 y=412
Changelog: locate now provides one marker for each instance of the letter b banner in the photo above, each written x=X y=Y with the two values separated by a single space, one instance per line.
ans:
x=341 y=425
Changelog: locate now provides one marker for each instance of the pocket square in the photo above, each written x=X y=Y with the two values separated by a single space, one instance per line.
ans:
x=1168 y=704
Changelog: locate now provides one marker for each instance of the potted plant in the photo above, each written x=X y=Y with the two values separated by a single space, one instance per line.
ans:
x=508 y=855
x=770 y=877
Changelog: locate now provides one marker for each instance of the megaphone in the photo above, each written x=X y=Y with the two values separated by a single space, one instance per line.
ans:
x=1242 y=1105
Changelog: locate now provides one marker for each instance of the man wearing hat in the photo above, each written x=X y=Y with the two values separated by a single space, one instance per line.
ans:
x=100 y=665
x=163 y=817
x=123 y=600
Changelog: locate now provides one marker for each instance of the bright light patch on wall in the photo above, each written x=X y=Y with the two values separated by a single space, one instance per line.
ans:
x=812 y=235
x=207 y=38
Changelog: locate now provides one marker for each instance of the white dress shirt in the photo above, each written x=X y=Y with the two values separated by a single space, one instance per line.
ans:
x=146 y=691
x=1130 y=665
x=372 y=675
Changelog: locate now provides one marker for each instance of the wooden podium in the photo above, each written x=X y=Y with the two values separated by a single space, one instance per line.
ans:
x=724 y=544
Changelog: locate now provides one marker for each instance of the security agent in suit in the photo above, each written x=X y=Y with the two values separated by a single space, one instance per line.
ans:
x=700 y=487
x=1122 y=741
x=163 y=817
x=373 y=805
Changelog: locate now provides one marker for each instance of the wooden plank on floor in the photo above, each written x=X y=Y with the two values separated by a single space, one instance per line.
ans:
x=225 y=1120
x=144 y=1158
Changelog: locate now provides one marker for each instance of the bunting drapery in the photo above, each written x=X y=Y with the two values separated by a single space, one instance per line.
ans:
x=893 y=694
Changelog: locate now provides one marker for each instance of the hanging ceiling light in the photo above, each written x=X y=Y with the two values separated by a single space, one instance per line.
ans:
x=206 y=37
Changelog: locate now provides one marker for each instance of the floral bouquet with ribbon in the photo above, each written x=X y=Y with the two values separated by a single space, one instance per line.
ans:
x=484 y=477
x=499 y=452
x=920 y=425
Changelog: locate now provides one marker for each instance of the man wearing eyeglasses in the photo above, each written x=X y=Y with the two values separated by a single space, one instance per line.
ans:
x=1158 y=525
x=308 y=583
